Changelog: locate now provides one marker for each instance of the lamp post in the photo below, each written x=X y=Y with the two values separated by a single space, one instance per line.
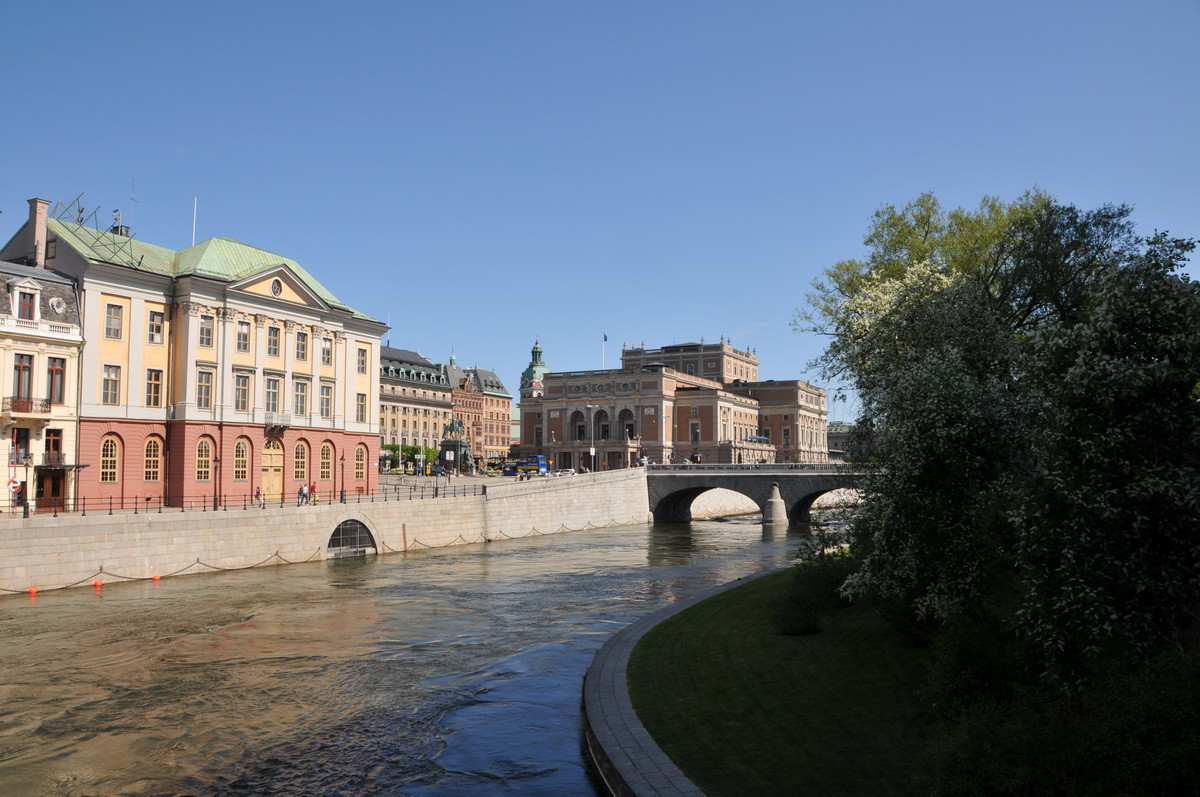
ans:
x=343 y=461
x=216 y=481
x=25 y=489
x=591 y=408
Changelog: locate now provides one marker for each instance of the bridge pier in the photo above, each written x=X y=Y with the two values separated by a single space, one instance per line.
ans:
x=775 y=512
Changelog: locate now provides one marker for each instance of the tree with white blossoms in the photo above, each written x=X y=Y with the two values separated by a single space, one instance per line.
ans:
x=1012 y=364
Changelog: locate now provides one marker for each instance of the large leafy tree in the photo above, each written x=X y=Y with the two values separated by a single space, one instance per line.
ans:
x=967 y=335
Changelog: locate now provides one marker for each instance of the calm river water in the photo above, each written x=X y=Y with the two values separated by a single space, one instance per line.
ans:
x=450 y=671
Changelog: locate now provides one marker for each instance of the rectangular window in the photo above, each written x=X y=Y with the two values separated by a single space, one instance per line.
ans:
x=56 y=379
x=54 y=441
x=204 y=383
x=23 y=379
x=326 y=351
x=154 y=327
x=110 y=388
x=326 y=401
x=206 y=331
x=362 y=361
x=360 y=407
x=241 y=392
x=154 y=383
x=112 y=321
x=243 y=336
x=301 y=345
x=301 y=398
x=25 y=305
x=272 y=341
x=271 y=402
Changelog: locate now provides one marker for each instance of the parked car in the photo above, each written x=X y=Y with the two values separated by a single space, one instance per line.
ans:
x=565 y=472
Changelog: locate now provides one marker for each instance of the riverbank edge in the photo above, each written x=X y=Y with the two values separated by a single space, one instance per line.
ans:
x=45 y=553
x=626 y=758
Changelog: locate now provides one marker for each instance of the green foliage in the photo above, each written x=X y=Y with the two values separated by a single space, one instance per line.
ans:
x=1132 y=733
x=813 y=592
x=1027 y=373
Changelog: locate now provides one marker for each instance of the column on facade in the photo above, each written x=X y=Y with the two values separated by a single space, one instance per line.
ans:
x=225 y=337
x=260 y=377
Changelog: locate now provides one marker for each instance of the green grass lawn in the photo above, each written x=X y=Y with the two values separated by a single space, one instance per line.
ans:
x=742 y=710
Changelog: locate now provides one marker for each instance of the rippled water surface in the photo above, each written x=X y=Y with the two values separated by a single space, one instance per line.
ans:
x=450 y=671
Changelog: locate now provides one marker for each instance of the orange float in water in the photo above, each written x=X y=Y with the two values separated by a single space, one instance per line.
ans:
x=156 y=578
x=32 y=590
x=97 y=583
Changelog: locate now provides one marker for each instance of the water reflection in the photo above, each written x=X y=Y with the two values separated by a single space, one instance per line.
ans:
x=455 y=671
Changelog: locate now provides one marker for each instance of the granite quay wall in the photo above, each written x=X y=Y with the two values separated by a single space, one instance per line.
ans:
x=44 y=552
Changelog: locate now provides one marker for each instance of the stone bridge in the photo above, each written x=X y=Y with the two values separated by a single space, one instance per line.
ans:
x=672 y=488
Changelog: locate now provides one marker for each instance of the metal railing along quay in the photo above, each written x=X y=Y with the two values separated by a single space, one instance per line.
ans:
x=224 y=502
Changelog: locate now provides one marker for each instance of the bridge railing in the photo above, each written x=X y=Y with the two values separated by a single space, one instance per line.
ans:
x=770 y=467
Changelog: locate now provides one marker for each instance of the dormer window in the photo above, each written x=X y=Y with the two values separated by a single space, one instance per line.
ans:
x=26 y=302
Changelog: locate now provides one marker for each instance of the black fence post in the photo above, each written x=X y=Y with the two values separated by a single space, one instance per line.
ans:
x=110 y=505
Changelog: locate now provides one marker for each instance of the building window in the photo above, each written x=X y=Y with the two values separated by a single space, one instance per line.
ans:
x=206 y=331
x=301 y=398
x=25 y=302
x=243 y=336
x=300 y=462
x=152 y=463
x=272 y=341
x=302 y=346
x=204 y=383
x=154 y=327
x=326 y=351
x=203 y=461
x=241 y=392
x=326 y=401
x=326 y=461
x=108 y=460
x=110 y=388
x=154 y=381
x=112 y=321
x=271 y=403
x=362 y=361
x=23 y=376
x=360 y=408
x=240 y=460
x=360 y=463
x=695 y=432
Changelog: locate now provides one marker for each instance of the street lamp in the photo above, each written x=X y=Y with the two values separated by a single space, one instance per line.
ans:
x=216 y=481
x=592 y=437
x=343 y=461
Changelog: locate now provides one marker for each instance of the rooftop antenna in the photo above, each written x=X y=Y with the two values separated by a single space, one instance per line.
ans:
x=195 y=203
x=132 y=200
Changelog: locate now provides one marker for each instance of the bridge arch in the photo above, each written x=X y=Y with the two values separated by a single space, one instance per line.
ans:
x=351 y=538
x=672 y=488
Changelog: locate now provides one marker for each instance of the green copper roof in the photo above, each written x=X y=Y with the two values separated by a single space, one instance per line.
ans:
x=217 y=258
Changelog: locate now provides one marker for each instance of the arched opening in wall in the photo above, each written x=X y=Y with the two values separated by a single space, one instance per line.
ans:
x=350 y=538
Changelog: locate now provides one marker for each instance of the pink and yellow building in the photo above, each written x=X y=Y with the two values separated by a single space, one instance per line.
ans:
x=212 y=372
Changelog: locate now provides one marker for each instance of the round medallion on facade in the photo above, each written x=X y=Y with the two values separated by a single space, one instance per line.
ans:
x=626 y=386
x=276 y=287
x=576 y=389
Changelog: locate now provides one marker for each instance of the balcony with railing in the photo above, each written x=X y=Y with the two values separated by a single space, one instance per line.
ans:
x=279 y=419
x=54 y=459
x=21 y=405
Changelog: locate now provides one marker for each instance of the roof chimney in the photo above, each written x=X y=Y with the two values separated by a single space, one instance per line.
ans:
x=37 y=220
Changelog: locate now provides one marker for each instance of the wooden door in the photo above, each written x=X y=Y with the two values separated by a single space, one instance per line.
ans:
x=272 y=470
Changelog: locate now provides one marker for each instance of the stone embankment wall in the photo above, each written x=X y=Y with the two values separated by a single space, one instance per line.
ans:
x=46 y=552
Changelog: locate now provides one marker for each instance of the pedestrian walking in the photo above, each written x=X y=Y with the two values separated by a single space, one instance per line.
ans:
x=259 y=499
x=302 y=495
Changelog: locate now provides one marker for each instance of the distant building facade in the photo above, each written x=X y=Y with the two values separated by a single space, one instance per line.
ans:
x=415 y=402
x=698 y=402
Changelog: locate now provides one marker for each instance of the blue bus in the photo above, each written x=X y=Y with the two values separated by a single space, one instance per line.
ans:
x=533 y=465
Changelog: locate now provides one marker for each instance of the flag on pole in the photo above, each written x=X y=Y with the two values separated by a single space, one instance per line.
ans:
x=606 y=337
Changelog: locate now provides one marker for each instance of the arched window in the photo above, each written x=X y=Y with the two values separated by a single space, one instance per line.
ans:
x=241 y=458
x=360 y=462
x=300 y=462
x=109 y=450
x=152 y=467
x=203 y=460
x=326 y=462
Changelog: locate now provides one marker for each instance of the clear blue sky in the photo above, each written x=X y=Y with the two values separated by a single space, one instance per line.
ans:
x=657 y=171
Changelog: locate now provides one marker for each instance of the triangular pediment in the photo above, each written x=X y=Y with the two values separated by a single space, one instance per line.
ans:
x=18 y=283
x=280 y=284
